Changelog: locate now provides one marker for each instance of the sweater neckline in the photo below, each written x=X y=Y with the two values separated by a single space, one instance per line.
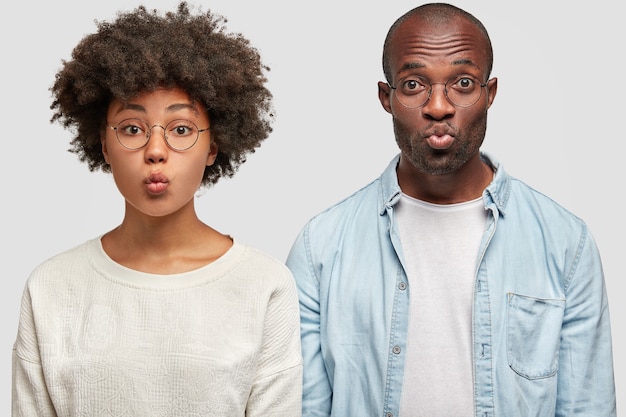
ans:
x=122 y=275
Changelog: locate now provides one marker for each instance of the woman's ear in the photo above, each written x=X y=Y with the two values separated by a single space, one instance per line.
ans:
x=105 y=152
x=212 y=154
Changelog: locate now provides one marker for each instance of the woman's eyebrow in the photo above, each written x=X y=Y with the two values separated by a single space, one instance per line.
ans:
x=171 y=108
x=131 y=106
x=182 y=106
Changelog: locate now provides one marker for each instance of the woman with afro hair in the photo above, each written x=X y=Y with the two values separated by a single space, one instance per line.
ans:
x=163 y=315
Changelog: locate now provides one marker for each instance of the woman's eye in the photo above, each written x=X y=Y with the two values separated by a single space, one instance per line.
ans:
x=181 y=130
x=131 y=130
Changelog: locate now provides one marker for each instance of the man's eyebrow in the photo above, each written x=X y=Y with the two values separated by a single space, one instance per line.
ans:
x=411 y=65
x=465 y=62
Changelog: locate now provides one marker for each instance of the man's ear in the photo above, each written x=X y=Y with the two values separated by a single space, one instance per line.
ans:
x=492 y=89
x=384 y=95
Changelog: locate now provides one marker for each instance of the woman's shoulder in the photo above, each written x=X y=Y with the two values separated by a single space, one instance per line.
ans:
x=60 y=268
x=258 y=263
x=64 y=259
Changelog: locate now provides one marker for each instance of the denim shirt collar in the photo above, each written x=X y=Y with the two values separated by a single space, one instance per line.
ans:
x=497 y=192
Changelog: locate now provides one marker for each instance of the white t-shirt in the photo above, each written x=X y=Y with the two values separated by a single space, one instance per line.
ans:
x=440 y=245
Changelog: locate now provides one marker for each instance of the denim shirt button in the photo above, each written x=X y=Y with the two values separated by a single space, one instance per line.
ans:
x=402 y=286
x=396 y=349
x=388 y=414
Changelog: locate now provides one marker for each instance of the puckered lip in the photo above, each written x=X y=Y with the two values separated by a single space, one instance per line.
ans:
x=156 y=178
x=439 y=130
x=440 y=137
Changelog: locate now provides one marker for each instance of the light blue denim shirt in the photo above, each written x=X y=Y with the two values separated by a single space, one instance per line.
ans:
x=541 y=333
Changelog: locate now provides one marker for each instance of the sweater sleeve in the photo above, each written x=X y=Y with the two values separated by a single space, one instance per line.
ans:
x=277 y=390
x=30 y=395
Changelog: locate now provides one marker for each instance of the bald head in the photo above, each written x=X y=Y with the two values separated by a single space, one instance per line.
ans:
x=433 y=14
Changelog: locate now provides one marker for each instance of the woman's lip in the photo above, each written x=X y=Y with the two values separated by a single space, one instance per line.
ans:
x=157 y=183
x=440 y=142
x=156 y=187
x=156 y=177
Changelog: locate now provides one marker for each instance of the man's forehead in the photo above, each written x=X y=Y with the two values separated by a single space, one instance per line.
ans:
x=455 y=39
x=420 y=26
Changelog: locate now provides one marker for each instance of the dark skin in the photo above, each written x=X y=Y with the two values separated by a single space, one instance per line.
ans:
x=161 y=232
x=440 y=143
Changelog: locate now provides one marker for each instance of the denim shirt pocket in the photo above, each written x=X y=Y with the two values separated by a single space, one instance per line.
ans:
x=533 y=335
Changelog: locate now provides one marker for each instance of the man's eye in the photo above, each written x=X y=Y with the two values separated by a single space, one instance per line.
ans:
x=465 y=83
x=413 y=86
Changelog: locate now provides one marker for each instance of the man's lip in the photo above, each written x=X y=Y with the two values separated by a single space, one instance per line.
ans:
x=440 y=142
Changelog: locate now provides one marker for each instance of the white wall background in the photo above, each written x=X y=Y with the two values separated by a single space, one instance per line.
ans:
x=557 y=123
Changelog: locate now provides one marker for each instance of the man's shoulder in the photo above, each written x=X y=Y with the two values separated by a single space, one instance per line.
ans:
x=513 y=194
x=527 y=195
x=365 y=198
x=371 y=198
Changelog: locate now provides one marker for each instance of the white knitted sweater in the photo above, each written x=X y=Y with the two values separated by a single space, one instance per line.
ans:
x=98 y=339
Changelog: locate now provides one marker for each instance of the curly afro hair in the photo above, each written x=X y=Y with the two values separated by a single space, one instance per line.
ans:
x=141 y=51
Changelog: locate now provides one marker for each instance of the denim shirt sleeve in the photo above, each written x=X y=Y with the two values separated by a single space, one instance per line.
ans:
x=317 y=392
x=585 y=376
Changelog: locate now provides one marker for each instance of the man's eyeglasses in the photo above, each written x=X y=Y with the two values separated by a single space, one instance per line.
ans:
x=415 y=91
x=179 y=134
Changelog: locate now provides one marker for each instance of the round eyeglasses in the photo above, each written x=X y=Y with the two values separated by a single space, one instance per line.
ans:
x=179 y=134
x=415 y=91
